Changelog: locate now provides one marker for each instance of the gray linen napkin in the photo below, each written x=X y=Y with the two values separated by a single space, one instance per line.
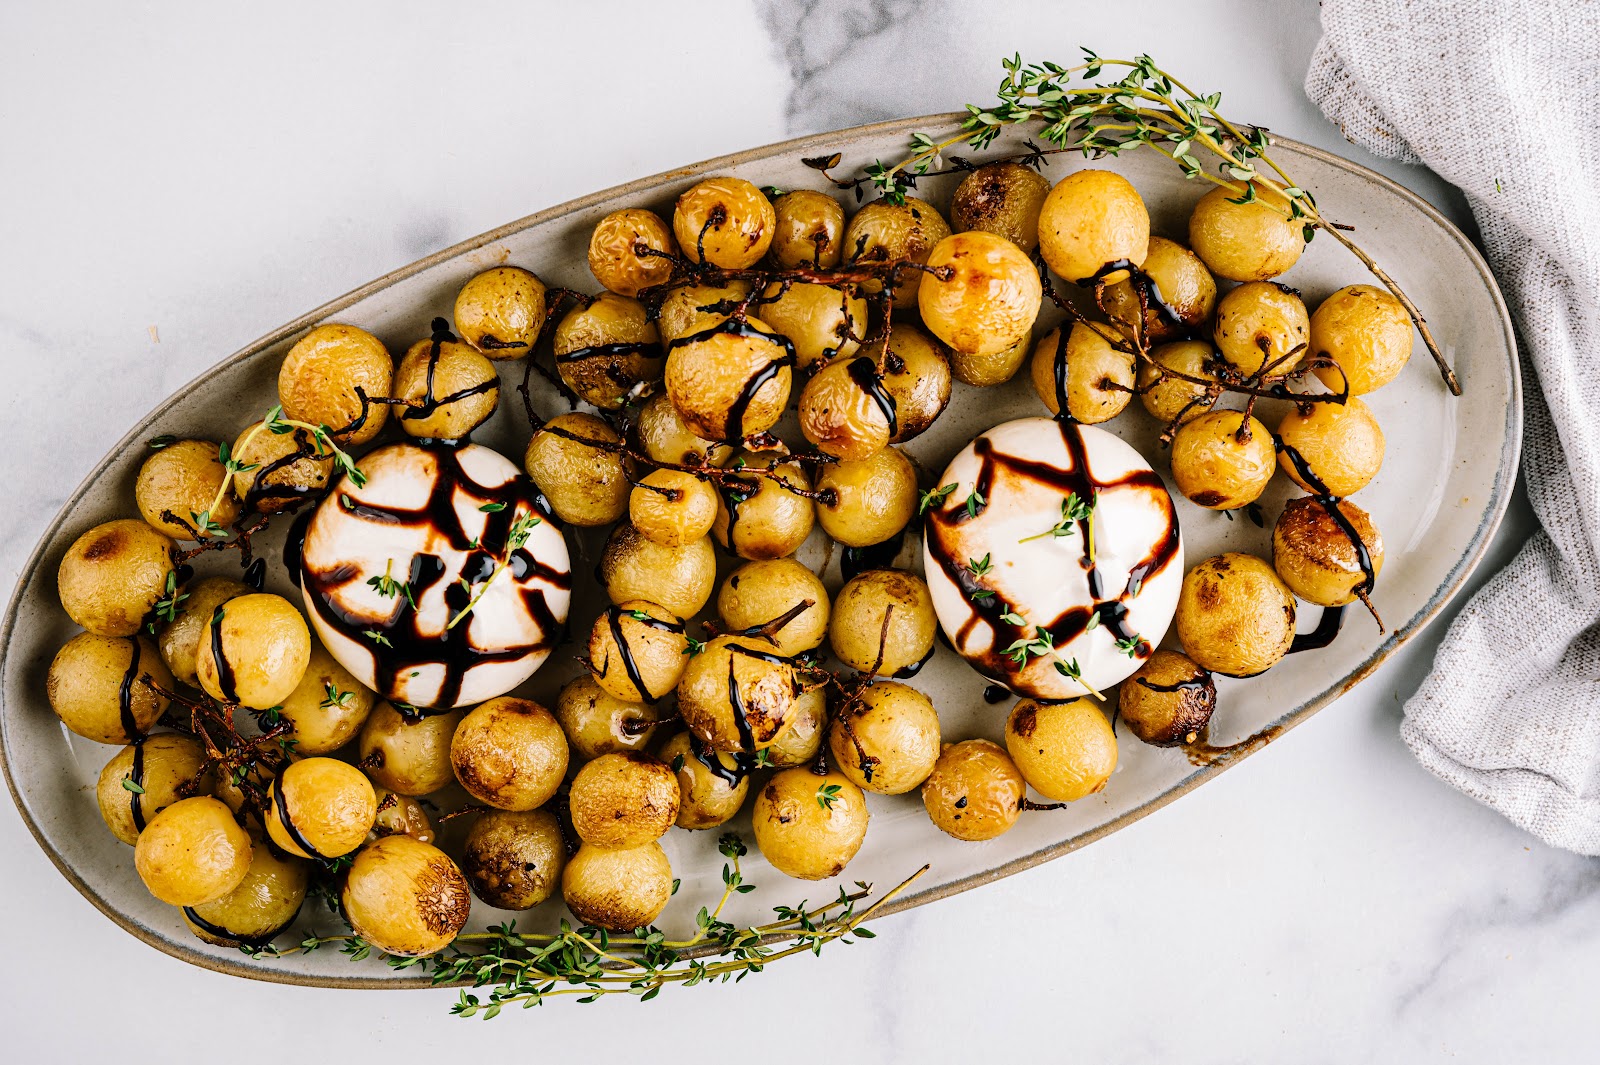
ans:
x=1503 y=100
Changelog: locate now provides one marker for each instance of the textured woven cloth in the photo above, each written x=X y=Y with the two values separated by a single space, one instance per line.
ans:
x=1503 y=100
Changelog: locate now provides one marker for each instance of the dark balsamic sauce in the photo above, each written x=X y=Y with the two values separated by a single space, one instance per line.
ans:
x=136 y=775
x=864 y=372
x=854 y=561
x=1199 y=684
x=1328 y=626
x=734 y=426
x=130 y=723
x=1106 y=271
x=1330 y=503
x=287 y=822
x=913 y=668
x=597 y=351
x=225 y=681
x=408 y=646
x=729 y=775
x=234 y=937
x=255 y=574
x=614 y=616
x=996 y=693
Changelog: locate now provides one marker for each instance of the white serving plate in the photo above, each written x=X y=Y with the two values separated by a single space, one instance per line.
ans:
x=1448 y=475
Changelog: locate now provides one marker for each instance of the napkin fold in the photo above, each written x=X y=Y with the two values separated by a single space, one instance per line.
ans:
x=1503 y=100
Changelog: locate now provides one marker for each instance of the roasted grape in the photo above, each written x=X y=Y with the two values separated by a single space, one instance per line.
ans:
x=607 y=349
x=1096 y=377
x=1251 y=241
x=1093 y=225
x=585 y=485
x=616 y=263
x=1169 y=700
x=1235 y=615
x=1064 y=750
x=405 y=897
x=778 y=600
x=974 y=792
x=509 y=753
x=1223 y=460
x=1366 y=332
x=757 y=517
x=809 y=826
x=888 y=740
x=97 y=688
x=514 y=859
x=725 y=221
x=501 y=311
x=980 y=294
x=1316 y=555
x=113 y=574
x=1001 y=198
x=883 y=622
x=866 y=501
x=623 y=800
x=180 y=481
x=1262 y=328
x=319 y=377
x=808 y=231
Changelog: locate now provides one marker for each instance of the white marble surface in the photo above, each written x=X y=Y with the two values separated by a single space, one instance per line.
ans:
x=177 y=179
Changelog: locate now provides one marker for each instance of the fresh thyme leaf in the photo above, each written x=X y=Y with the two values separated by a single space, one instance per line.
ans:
x=156 y=443
x=492 y=508
x=132 y=785
x=827 y=795
x=974 y=501
x=377 y=637
x=1130 y=645
x=934 y=497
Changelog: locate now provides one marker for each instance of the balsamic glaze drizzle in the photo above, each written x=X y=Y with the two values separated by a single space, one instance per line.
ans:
x=614 y=616
x=408 y=646
x=1328 y=626
x=1330 y=503
x=255 y=574
x=854 y=561
x=223 y=933
x=130 y=723
x=225 y=680
x=864 y=372
x=996 y=693
x=743 y=763
x=287 y=822
x=136 y=775
x=1198 y=684
x=742 y=328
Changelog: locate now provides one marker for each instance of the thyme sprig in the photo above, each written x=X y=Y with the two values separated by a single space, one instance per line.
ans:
x=521 y=529
x=276 y=423
x=1146 y=108
x=1073 y=510
x=521 y=968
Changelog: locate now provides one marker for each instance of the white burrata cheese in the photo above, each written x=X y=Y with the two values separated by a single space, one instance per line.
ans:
x=388 y=571
x=995 y=581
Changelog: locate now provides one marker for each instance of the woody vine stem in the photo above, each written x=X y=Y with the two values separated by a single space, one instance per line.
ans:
x=1147 y=107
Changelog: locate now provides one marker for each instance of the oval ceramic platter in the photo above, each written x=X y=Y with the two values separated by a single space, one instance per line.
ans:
x=1438 y=499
